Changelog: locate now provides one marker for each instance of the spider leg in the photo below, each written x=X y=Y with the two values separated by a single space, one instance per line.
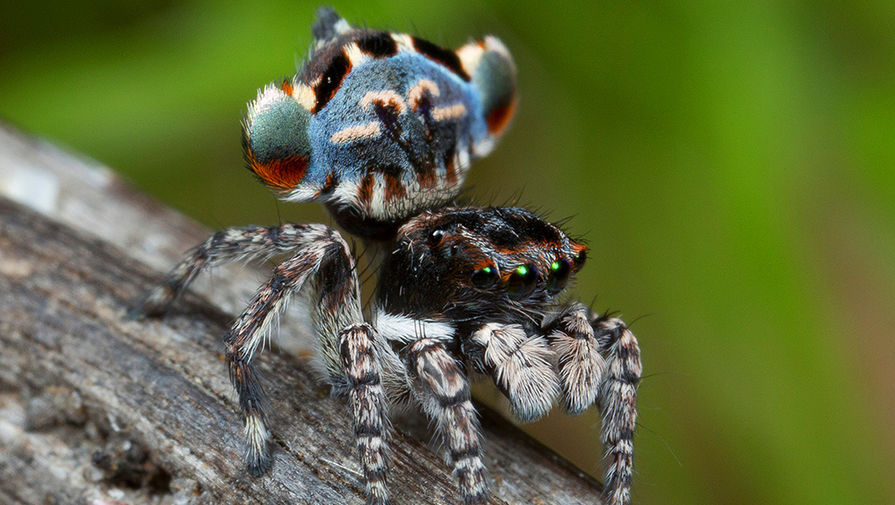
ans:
x=346 y=344
x=363 y=370
x=232 y=244
x=247 y=334
x=443 y=390
x=520 y=366
x=599 y=362
x=618 y=404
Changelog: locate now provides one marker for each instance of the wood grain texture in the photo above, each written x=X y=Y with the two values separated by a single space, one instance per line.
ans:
x=96 y=406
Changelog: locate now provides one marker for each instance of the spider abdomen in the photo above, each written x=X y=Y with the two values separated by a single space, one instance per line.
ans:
x=378 y=125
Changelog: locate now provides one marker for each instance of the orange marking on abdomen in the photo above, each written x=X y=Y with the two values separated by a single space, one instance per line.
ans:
x=365 y=189
x=499 y=118
x=283 y=174
x=287 y=87
x=393 y=188
x=450 y=171
x=426 y=177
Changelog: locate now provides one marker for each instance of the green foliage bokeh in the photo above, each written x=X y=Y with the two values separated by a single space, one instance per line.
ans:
x=729 y=163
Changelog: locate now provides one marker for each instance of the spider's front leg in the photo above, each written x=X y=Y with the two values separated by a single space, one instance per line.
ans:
x=599 y=361
x=443 y=390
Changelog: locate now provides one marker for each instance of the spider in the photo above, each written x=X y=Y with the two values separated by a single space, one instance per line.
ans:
x=380 y=128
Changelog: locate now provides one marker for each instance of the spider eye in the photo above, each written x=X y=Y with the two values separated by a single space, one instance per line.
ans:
x=579 y=259
x=436 y=237
x=559 y=275
x=522 y=281
x=484 y=277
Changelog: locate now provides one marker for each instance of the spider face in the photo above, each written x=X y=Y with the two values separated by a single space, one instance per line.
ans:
x=473 y=263
x=380 y=126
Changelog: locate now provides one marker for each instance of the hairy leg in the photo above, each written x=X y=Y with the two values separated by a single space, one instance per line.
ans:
x=599 y=362
x=249 y=332
x=364 y=374
x=618 y=404
x=520 y=365
x=322 y=257
x=444 y=393
x=232 y=244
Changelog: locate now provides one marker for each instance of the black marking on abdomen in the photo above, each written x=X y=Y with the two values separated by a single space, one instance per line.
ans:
x=331 y=80
x=378 y=44
x=441 y=55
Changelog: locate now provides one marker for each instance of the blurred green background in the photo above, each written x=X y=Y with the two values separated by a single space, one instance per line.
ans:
x=730 y=163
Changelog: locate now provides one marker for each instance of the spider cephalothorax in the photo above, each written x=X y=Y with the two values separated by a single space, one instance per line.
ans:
x=471 y=264
x=380 y=127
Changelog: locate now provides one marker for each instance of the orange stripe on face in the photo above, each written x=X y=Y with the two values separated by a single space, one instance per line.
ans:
x=530 y=247
x=282 y=174
x=580 y=256
x=499 y=118
x=482 y=264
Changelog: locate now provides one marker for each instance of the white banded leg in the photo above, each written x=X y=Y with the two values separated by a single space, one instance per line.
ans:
x=363 y=371
x=618 y=405
x=248 y=333
x=443 y=390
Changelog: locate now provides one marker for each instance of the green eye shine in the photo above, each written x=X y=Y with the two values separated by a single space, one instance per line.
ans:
x=484 y=277
x=559 y=275
x=522 y=281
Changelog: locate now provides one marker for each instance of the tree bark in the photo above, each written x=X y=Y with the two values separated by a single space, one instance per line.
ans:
x=96 y=407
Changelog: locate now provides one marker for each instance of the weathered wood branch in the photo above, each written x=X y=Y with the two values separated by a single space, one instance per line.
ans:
x=95 y=406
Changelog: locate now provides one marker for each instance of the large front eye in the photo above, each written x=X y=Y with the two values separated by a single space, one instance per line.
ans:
x=559 y=275
x=484 y=277
x=522 y=281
